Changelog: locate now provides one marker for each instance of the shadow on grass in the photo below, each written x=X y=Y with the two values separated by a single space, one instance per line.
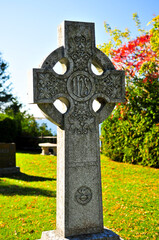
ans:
x=11 y=190
x=29 y=178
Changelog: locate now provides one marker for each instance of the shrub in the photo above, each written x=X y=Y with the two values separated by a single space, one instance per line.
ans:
x=131 y=133
x=8 y=130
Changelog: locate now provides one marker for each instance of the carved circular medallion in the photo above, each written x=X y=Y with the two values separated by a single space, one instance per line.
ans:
x=80 y=86
x=83 y=195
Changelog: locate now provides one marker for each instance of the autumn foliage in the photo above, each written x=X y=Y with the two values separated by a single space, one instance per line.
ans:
x=131 y=133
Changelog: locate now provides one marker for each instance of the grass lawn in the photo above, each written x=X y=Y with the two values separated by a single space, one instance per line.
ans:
x=28 y=200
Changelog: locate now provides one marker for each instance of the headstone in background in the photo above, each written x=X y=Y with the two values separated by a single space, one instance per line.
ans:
x=79 y=194
x=8 y=159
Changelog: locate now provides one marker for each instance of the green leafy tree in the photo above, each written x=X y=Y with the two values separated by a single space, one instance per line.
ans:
x=131 y=133
x=5 y=86
x=17 y=125
x=26 y=122
x=44 y=131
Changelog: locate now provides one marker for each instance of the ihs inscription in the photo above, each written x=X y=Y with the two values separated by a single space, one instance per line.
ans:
x=80 y=86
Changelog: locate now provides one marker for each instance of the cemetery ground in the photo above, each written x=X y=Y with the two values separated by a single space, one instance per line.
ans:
x=28 y=200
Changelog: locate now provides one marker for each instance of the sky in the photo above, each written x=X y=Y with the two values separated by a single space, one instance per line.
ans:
x=28 y=32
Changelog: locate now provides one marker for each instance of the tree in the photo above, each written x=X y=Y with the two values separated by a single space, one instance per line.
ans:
x=131 y=133
x=15 y=123
x=27 y=125
x=5 y=90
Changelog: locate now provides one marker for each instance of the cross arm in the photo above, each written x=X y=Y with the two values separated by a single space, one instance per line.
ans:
x=48 y=88
x=112 y=85
x=110 y=89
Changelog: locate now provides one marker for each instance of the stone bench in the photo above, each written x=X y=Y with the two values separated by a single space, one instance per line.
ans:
x=46 y=146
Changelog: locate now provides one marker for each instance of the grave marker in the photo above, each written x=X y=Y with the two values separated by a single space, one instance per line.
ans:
x=8 y=159
x=79 y=195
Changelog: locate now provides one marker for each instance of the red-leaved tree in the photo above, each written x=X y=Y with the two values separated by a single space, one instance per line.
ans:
x=131 y=132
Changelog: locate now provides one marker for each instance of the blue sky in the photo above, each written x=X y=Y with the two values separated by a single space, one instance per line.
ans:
x=29 y=30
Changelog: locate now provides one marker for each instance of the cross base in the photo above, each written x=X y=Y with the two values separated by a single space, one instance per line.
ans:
x=105 y=235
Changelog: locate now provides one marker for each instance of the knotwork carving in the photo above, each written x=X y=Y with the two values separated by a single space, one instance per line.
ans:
x=79 y=52
x=110 y=85
x=81 y=120
x=80 y=43
x=49 y=86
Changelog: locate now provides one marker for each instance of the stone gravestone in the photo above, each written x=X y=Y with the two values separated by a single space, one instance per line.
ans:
x=79 y=213
x=7 y=159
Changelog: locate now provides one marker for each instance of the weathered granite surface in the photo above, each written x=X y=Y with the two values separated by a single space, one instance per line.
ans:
x=79 y=195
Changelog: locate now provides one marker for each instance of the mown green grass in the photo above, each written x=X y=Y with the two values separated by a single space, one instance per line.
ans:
x=28 y=200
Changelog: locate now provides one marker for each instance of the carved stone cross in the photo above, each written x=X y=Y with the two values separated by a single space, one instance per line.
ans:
x=79 y=195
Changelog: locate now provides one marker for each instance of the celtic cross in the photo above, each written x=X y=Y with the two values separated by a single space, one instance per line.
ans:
x=79 y=196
